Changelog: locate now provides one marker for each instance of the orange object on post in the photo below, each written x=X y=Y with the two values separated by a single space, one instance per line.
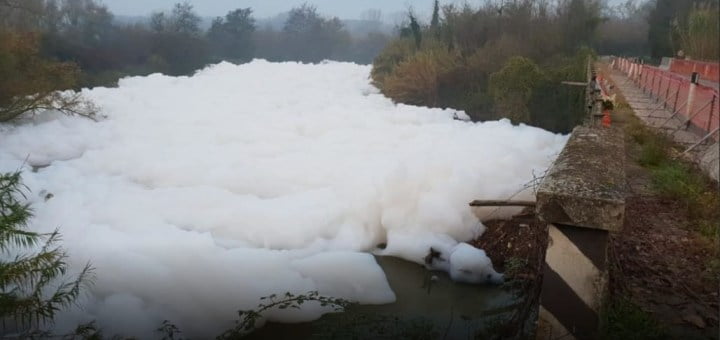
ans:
x=606 y=118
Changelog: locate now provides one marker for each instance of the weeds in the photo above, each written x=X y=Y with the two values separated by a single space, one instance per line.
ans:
x=653 y=153
x=677 y=180
x=625 y=320
x=249 y=318
x=514 y=265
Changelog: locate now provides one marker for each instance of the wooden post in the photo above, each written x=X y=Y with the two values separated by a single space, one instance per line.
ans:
x=495 y=203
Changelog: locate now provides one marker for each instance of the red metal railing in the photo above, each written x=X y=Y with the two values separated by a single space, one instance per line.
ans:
x=699 y=105
x=708 y=71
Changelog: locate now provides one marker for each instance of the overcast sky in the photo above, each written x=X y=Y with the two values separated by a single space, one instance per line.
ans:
x=346 y=9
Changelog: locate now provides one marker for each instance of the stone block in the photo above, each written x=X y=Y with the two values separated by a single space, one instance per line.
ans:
x=586 y=185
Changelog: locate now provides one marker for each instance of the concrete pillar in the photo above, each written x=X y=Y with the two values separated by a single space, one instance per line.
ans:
x=582 y=205
x=694 y=78
x=574 y=282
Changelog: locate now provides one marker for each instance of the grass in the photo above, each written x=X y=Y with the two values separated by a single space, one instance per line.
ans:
x=624 y=320
x=514 y=265
x=677 y=179
x=652 y=153
x=674 y=179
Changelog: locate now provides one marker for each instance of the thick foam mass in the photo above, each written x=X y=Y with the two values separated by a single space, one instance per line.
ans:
x=198 y=195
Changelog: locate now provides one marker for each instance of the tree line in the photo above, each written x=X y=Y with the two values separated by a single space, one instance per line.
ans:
x=173 y=42
x=661 y=28
x=508 y=59
x=497 y=60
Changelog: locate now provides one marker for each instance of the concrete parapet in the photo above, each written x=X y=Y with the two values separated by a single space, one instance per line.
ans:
x=585 y=187
x=583 y=199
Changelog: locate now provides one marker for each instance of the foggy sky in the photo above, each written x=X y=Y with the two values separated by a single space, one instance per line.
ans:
x=345 y=9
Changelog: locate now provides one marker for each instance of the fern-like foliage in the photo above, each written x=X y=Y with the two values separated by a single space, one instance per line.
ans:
x=33 y=283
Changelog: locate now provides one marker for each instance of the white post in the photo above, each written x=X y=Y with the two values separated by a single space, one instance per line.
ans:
x=636 y=71
x=691 y=93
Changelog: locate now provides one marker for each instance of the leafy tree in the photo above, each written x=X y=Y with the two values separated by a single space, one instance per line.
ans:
x=177 y=47
x=435 y=21
x=309 y=37
x=698 y=36
x=32 y=267
x=512 y=88
x=29 y=83
x=581 y=18
x=481 y=41
x=158 y=22
x=663 y=40
x=625 y=32
x=21 y=15
x=412 y=30
x=85 y=21
x=232 y=37
x=184 y=20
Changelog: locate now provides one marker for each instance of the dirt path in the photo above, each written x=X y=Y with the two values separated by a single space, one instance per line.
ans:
x=659 y=262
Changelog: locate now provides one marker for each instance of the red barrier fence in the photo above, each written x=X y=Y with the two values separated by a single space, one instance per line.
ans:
x=707 y=71
x=699 y=105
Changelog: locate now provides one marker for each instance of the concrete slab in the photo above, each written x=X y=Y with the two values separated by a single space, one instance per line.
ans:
x=586 y=185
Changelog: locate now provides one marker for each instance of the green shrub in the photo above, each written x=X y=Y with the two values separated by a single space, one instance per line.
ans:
x=416 y=80
x=394 y=53
x=653 y=153
x=675 y=180
x=512 y=88
x=635 y=129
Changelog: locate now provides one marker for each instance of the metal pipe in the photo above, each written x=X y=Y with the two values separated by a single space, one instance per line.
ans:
x=702 y=140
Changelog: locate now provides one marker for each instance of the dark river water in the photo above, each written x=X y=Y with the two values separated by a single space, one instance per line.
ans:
x=429 y=306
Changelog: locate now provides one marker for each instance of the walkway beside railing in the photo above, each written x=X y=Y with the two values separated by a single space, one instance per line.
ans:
x=686 y=111
x=696 y=107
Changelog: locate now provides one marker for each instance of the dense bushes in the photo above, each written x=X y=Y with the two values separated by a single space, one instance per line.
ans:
x=512 y=88
x=494 y=61
x=417 y=79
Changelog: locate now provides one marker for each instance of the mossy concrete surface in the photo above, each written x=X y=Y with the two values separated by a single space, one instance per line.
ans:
x=586 y=185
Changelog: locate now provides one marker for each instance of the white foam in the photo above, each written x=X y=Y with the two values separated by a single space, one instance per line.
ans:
x=198 y=195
